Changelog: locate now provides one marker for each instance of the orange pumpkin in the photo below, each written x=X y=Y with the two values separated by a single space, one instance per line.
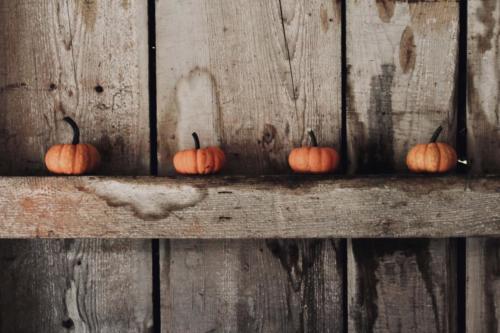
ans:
x=433 y=157
x=72 y=159
x=313 y=159
x=199 y=161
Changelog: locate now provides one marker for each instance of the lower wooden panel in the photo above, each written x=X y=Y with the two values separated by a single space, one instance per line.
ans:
x=80 y=285
x=483 y=285
x=405 y=285
x=252 y=286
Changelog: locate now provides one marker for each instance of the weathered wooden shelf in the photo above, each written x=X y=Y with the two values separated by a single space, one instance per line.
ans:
x=242 y=207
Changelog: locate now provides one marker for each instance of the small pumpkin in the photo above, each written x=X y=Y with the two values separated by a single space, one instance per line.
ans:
x=313 y=159
x=433 y=157
x=72 y=159
x=199 y=161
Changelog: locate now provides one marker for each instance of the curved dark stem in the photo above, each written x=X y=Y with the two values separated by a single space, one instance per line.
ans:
x=314 y=142
x=196 y=140
x=76 y=130
x=436 y=134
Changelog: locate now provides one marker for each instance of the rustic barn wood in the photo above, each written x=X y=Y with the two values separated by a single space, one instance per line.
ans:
x=243 y=207
x=401 y=63
x=252 y=76
x=87 y=60
x=483 y=124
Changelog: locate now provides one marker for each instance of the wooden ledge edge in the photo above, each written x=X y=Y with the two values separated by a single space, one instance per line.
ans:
x=250 y=207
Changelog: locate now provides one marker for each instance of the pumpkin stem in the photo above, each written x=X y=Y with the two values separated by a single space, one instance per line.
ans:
x=314 y=142
x=76 y=130
x=436 y=134
x=196 y=140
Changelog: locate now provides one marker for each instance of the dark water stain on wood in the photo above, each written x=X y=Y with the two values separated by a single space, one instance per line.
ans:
x=485 y=16
x=88 y=10
x=125 y=4
x=304 y=263
x=379 y=151
x=287 y=251
x=480 y=160
x=367 y=257
x=492 y=276
x=356 y=128
x=323 y=15
x=385 y=9
x=407 y=51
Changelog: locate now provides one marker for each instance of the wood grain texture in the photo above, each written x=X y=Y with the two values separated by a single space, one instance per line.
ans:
x=483 y=121
x=483 y=137
x=229 y=78
x=401 y=285
x=401 y=79
x=251 y=76
x=87 y=60
x=483 y=285
x=276 y=286
x=401 y=59
x=242 y=207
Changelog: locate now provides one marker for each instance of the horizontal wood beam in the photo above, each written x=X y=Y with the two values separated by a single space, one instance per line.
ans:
x=242 y=207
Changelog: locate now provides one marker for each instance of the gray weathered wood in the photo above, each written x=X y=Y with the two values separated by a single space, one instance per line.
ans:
x=483 y=128
x=251 y=76
x=483 y=308
x=401 y=286
x=243 y=207
x=87 y=60
x=253 y=286
x=401 y=59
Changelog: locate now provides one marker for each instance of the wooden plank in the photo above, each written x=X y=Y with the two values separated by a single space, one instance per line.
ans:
x=276 y=286
x=400 y=285
x=242 y=207
x=482 y=309
x=483 y=128
x=401 y=59
x=87 y=60
x=251 y=76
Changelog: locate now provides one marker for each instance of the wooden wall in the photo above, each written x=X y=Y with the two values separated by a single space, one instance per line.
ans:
x=483 y=142
x=401 y=70
x=86 y=60
x=252 y=77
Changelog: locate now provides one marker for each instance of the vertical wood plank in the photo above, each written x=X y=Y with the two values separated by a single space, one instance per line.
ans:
x=483 y=141
x=252 y=77
x=87 y=60
x=401 y=59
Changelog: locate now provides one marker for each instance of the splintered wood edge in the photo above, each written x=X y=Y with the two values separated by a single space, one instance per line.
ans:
x=243 y=207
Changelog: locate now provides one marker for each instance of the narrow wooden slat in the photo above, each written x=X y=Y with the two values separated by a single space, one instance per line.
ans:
x=401 y=59
x=251 y=76
x=482 y=285
x=483 y=128
x=87 y=60
x=242 y=207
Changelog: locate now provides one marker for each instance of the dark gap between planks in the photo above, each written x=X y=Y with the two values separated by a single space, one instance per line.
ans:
x=461 y=143
x=153 y=131
x=343 y=146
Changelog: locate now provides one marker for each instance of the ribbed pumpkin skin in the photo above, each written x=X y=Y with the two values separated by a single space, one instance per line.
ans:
x=431 y=158
x=72 y=159
x=199 y=161
x=313 y=160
